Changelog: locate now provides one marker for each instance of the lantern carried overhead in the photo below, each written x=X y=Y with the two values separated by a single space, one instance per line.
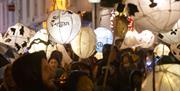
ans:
x=154 y=15
x=172 y=36
x=38 y=42
x=84 y=44
x=18 y=37
x=63 y=26
x=175 y=50
x=166 y=78
x=103 y=36
x=161 y=50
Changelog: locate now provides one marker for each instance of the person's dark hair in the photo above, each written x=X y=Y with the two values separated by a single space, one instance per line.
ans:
x=56 y=55
x=27 y=72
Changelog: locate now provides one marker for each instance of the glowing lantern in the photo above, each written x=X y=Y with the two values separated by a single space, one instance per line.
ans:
x=63 y=26
x=175 y=50
x=154 y=15
x=103 y=36
x=130 y=40
x=18 y=37
x=84 y=44
x=0 y=37
x=145 y=39
x=94 y=1
x=161 y=50
x=39 y=41
x=172 y=36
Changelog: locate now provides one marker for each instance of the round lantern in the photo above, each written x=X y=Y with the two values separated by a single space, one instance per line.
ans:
x=39 y=41
x=172 y=36
x=154 y=15
x=103 y=36
x=175 y=50
x=18 y=37
x=145 y=39
x=0 y=37
x=161 y=50
x=63 y=26
x=130 y=40
x=84 y=44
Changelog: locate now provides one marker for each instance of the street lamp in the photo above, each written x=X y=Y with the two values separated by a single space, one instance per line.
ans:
x=94 y=12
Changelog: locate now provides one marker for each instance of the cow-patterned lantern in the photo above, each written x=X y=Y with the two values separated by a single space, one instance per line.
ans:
x=84 y=44
x=103 y=36
x=63 y=26
x=18 y=37
x=154 y=15
x=172 y=36
x=175 y=50
x=39 y=41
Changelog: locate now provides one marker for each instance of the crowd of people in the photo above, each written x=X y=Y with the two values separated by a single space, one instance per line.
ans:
x=118 y=70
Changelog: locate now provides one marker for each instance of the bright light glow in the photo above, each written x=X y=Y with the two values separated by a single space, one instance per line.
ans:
x=161 y=50
x=84 y=44
x=103 y=36
x=94 y=1
x=37 y=45
x=63 y=26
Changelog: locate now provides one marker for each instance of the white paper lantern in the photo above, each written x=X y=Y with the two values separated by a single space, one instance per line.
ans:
x=18 y=37
x=103 y=36
x=145 y=39
x=1 y=37
x=159 y=16
x=63 y=26
x=94 y=1
x=84 y=44
x=39 y=41
x=172 y=36
x=130 y=40
x=175 y=50
x=161 y=50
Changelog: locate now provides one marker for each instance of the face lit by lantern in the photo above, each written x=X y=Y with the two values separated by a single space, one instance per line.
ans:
x=103 y=36
x=63 y=26
x=154 y=15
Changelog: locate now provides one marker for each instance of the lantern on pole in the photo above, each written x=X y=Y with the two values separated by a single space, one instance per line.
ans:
x=154 y=15
x=94 y=12
x=84 y=44
x=63 y=25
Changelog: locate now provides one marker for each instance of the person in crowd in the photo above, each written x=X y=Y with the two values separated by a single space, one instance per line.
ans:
x=8 y=83
x=79 y=81
x=31 y=72
x=109 y=56
x=55 y=63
